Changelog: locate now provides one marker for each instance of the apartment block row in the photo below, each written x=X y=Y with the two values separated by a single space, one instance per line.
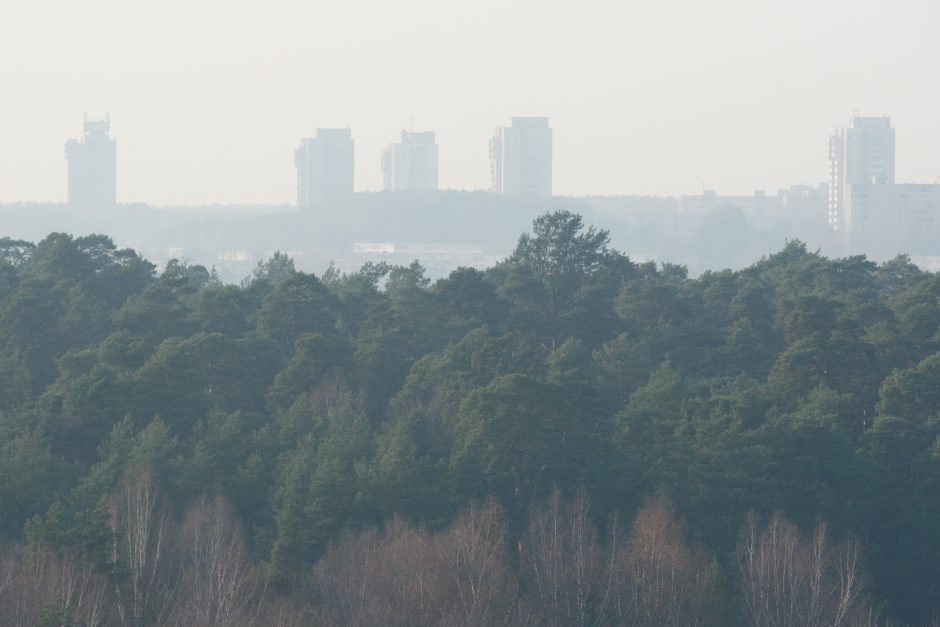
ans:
x=520 y=158
x=861 y=203
x=520 y=162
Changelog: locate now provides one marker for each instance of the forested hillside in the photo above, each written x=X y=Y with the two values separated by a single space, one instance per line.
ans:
x=568 y=438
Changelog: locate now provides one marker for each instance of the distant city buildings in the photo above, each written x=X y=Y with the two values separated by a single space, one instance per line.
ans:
x=325 y=167
x=797 y=205
x=860 y=210
x=751 y=206
x=862 y=153
x=873 y=214
x=520 y=163
x=438 y=258
x=92 y=165
x=411 y=164
x=521 y=158
x=884 y=219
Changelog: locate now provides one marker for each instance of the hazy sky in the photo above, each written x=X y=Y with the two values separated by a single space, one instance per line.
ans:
x=209 y=98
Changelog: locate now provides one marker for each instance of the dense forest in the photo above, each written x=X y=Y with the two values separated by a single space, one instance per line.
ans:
x=566 y=438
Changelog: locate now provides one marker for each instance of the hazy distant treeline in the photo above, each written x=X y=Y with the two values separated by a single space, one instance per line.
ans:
x=232 y=239
x=569 y=437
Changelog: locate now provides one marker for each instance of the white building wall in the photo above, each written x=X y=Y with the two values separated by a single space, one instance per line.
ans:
x=411 y=164
x=325 y=167
x=884 y=220
x=92 y=168
x=862 y=153
x=521 y=158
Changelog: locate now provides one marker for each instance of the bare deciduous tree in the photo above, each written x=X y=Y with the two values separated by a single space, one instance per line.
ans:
x=406 y=576
x=657 y=578
x=476 y=563
x=82 y=591
x=22 y=596
x=221 y=586
x=141 y=528
x=786 y=579
x=282 y=612
x=564 y=564
x=379 y=579
x=31 y=581
x=343 y=578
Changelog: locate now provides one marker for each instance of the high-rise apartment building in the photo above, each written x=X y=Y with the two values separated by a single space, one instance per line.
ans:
x=325 y=167
x=411 y=164
x=92 y=178
x=521 y=158
x=861 y=154
x=882 y=220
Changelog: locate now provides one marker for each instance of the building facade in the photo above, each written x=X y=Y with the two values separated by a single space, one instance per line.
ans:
x=92 y=167
x=883 y=220
x=411 y=164
x=521 y=158
x=754 y=207
x=860 y=154
x=325 y=167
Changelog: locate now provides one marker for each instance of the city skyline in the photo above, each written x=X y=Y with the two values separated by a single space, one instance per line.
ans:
x=489 y=184
x=660 y=99
x=520 y=157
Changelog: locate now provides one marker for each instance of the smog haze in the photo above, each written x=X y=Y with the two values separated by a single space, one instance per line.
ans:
x=208 y=99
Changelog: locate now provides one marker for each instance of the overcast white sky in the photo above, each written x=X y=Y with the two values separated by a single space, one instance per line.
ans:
x=209 y=98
